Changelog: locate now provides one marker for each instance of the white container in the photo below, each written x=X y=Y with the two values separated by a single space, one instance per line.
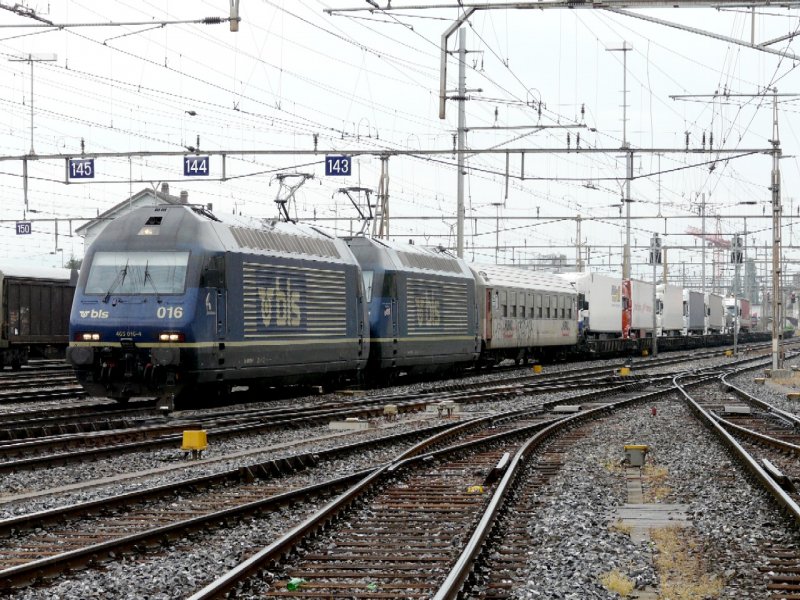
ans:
x=603 y=295
x=641 y=306
x=715 y=314
x=694 y=312
x=669 y=315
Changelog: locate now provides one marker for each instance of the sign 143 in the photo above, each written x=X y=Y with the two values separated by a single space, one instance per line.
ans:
x=337 y=165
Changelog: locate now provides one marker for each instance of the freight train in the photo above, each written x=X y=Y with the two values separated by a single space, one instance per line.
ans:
x=34 y=306
x=172 y=298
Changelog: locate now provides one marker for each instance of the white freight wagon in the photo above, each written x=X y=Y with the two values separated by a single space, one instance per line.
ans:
x=669 y=310
x=601 y=311
x=715 y=314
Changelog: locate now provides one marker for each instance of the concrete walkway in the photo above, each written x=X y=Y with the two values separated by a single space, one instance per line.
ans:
x=643 y=517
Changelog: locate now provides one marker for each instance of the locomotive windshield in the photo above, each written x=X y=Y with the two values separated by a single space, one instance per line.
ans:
x=137 y=273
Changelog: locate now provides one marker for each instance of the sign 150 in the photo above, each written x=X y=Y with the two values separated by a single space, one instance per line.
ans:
x=24 y=228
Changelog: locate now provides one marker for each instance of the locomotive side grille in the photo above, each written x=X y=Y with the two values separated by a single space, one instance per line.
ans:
x=437 y=307
x=293 y=302
x=430 y=263
x=279 y=242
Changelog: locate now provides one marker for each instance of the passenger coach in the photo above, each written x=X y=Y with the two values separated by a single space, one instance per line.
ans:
x=525 y=314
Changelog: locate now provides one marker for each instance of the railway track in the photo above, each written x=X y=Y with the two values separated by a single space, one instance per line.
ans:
x=201 y=496
x=764 y=441
x=356 y=544
x=237 y=492
x=58 y=392
x=22 y=449
x=28 y=454
x=342 y=563
x=150 y=516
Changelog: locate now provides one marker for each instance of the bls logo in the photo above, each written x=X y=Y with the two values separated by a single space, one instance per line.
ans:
x=94 y=314
x=427 y=310
x=280 y=305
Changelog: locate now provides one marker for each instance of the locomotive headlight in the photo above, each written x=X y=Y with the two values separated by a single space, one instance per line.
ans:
x=170 y=337
x=87 y=337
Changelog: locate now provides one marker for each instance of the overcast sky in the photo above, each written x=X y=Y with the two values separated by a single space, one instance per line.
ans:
x=369 y=81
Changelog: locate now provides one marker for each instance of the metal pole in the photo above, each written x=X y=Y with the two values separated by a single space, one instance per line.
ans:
x=32 y=58
x=736 y=316
x=626 y=253
x=380 y=226
x=654 y=335
x=629 y=174
x=626 y=265
x=777 y=301
x=703 y=260
x=25 y=182
x=736 y=259
x=578 y=257
x=497 y=235
x=32 y=151
x=462 y=93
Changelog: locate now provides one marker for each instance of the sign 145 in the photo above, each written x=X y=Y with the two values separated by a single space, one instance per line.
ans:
x=81 y=168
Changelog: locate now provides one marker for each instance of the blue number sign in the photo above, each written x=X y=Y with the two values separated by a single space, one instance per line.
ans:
x=81 y=168
x=337 y=165
x=24 y=228
x=194 y=166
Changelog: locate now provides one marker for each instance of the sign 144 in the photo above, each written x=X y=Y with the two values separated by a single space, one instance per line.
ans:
x=194 y=166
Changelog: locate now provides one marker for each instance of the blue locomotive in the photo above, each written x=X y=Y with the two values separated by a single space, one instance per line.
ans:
x=422 y=307
x=170 y=296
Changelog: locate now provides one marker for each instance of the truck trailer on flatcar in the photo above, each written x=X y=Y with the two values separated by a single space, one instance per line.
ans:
x=694 y=312
x=600 y=304
x=715 y=314
x=637 y=317
x=669 y=313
